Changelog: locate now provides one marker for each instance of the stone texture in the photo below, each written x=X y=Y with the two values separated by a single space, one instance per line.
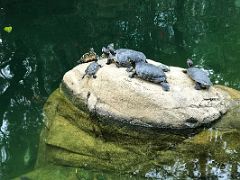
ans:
x=73 y=138
x=116 y=96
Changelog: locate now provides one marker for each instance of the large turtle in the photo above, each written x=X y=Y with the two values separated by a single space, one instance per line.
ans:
x=88 y=57
x=120 y=56
x=150 y=73
x=199 y=76
x=92 y=69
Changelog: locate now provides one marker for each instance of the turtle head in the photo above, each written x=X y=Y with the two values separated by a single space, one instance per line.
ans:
x=189 y=63
x=105 y=52
x=110 y=47
x=91 y=50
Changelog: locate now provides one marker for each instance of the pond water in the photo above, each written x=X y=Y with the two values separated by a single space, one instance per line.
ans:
x=49 y=37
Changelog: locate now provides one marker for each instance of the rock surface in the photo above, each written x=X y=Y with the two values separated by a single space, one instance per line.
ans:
x=73 y=138
x=116 y=96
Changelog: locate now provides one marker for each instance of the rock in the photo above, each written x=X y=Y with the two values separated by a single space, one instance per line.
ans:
x=116 y=97
x=74 y=138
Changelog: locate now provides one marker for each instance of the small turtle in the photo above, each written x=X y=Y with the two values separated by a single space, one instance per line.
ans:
x=150 y=73
x=92 y=69
x=120 y=56
x=88 y=57
x=199 y=76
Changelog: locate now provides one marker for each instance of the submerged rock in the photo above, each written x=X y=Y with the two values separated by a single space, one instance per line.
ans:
x=72 y=137
x=116 y=97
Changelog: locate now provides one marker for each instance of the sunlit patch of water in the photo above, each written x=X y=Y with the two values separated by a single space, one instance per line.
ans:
x=27 y=66
x=196 y=168
x=4 y=155
x=5 y=72
x=178 y=169
x=220 y=171
x=3 y=85
x=4 y=134
x=5 y=124
x=27 y=156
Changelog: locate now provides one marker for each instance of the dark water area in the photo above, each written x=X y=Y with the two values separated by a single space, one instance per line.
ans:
x=48 y=37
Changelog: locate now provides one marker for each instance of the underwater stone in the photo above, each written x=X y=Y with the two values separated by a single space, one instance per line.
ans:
x=72 y=137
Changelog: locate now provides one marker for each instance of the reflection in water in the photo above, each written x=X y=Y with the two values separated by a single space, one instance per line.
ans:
x=202 y=166
x=49 y=37
x=27 y=156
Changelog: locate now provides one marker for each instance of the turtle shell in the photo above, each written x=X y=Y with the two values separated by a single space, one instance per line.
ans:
x=88 y=57
x=122 y=56
x=92 y=68
x=149 y=72
x=199 y=76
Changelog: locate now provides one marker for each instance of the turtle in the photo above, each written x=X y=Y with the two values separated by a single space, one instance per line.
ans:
x=92 y=69
x=150 y=73
x=199 y=76
x=120 y=56
x=88 y=57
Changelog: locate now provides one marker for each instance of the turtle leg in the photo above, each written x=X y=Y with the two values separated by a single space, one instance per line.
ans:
x=131 y=75
x=162 y=81
x=129 y=69
x=84 y=76
x=109 y=61
x=165 y=86
x=198 y=86
x=159 y=80
x=94 y=76
x=118 y=65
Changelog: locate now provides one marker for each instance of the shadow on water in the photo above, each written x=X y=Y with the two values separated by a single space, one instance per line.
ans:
x=49 y=37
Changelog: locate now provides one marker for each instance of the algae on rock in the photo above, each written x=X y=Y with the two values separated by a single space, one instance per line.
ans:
x=76 y=138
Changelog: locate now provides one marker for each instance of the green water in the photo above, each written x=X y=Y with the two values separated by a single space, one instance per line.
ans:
x=48 y=38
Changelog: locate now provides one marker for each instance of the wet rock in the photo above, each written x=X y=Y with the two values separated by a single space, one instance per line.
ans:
x=72 y=137
x=116 y=97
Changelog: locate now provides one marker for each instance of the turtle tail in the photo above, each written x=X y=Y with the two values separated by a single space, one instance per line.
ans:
x=165 y=86
x=84 y=76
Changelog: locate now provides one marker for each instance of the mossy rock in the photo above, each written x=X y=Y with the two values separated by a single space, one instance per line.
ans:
x=76 y=138
x=73 y=137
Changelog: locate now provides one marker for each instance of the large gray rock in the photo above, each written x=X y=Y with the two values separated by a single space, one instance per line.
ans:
x=116 y=96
